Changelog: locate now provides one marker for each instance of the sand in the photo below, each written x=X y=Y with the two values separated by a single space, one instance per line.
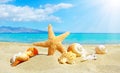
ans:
x=108 y=63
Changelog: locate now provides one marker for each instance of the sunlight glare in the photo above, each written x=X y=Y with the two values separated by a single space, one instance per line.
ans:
x=112 y=4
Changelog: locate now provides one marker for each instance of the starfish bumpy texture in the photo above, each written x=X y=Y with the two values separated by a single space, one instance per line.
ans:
x=54 y=42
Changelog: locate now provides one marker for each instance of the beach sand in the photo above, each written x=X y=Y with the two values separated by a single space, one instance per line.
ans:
x=108 y=63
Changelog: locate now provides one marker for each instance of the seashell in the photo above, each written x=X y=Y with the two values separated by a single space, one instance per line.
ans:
x=12 y=60
x=90 y=57
x=18 y=58
x=22 y=57
x=67 y=57
x=101 y=49
x=77 y=49
x=32 y=51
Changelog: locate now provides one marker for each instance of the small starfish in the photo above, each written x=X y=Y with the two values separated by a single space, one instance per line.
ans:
x=54 y=42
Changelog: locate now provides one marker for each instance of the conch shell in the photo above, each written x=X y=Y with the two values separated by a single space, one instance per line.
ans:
x=77 y=49
x=22 y=57
x=101 y=49
x=67 y=57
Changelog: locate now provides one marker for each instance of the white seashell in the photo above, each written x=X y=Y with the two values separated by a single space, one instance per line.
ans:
x=14 y=57
x=77 y=49
x=90 y=57
x=101 y=49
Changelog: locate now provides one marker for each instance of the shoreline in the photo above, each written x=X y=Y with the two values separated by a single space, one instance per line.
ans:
x=65 y=43
x=89 y=38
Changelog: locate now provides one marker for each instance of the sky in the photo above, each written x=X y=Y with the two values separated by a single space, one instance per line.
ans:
x=76 y=16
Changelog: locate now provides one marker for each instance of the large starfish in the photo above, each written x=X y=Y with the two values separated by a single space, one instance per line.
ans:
x=54 y=42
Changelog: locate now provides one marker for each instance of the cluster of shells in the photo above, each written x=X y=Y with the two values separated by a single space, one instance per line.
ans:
x=76 y=50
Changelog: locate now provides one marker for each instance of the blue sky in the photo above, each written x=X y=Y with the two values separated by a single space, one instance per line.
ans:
x=83 y=16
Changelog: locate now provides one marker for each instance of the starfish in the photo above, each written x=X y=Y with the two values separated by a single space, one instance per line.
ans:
x=54 y=42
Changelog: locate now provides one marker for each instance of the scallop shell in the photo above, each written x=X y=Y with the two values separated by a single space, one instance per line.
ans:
x=67 y=57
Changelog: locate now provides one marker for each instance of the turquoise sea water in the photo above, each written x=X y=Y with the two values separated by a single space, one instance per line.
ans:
x=83 y=38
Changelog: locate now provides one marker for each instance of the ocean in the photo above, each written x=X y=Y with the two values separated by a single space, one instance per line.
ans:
x=82 y=38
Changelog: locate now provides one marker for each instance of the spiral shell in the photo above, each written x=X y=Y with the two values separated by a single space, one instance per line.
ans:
x=101 y=49
x=77 y=49
x=22 y=57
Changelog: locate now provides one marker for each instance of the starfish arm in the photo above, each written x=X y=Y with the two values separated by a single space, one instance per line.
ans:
x=60 y=48
x=61 y=37
x=42 y=44
x=50 y=32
